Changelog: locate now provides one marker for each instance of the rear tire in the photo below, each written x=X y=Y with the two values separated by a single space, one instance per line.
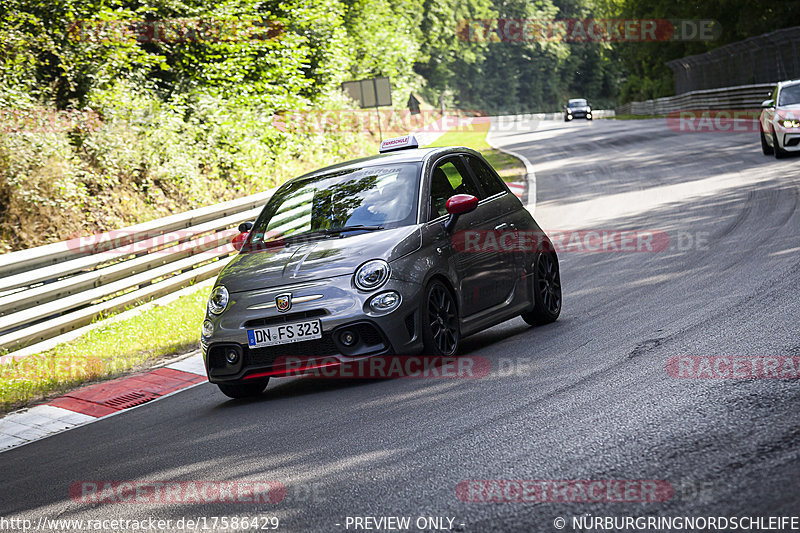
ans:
x=238 y=391
x=546 y=290
x=441 y=332
x=766 y=149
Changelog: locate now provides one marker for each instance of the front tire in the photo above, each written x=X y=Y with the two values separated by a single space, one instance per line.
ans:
x=780 y=153
x=546 y=290
x=441 y=332
x=237 y=391
x=766 y=149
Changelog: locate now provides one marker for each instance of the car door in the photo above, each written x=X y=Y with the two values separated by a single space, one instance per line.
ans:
x=482 y=274
x=499 y=207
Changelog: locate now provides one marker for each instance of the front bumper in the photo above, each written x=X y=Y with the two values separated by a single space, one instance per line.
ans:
x=579 y=114
x=336 y=303
x=788 y=139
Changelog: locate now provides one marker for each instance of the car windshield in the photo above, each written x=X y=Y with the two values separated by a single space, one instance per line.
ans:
x=360 y=199
x=789 y=95
x=576 y=103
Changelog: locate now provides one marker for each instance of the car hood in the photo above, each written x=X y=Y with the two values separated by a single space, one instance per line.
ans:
x=579 y=108
x=792 y=107
x=318 y=259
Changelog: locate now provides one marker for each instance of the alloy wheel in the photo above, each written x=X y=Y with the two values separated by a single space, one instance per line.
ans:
x=443 y=319
x=549 y=283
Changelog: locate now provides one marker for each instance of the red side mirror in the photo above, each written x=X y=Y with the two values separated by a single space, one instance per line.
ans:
x=461 y=203
x=238 y=241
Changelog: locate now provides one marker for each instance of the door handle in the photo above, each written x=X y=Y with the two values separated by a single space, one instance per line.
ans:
x=504 y=226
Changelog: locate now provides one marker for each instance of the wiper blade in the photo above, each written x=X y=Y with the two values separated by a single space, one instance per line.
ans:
x=357 y=227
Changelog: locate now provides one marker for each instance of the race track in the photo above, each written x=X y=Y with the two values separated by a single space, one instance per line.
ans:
x=586 y=398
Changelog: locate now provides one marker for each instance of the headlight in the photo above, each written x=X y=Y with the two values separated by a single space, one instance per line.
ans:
x=385 y=302
x=789 y=123
x=208 y=328
x=218 y=300
x=372 y=274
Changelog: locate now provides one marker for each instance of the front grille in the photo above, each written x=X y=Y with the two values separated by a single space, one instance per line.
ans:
x=283 y=319
x=217 y=364
x=410 y=326
x=216 y=359
x=266 y=356
x=369 y=335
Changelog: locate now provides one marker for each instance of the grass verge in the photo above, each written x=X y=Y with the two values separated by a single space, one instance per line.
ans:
x=474 y=136
x=106 y=352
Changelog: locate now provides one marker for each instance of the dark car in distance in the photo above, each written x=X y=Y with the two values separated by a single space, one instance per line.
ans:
x=577 y=108
x=362 y=259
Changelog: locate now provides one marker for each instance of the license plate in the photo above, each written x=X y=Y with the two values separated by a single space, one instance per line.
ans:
x=284 y=334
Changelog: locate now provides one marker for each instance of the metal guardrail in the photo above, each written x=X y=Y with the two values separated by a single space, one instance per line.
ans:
x=739 y=97
x=53 y=289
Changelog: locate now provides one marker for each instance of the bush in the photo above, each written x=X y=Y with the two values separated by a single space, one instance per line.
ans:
x=146 y=158
x=100 y=130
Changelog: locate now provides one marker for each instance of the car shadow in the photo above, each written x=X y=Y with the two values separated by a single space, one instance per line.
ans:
x=313 y=384
x=298 y=387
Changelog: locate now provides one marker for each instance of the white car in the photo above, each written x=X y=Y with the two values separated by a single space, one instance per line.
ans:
x=779 y=122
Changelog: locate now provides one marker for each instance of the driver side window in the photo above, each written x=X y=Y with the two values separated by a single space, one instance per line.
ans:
x=448 y=179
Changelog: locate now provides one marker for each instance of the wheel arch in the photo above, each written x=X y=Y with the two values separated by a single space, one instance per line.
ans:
x=441 y=276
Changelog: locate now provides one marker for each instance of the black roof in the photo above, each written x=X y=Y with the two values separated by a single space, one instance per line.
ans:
x=414 y=155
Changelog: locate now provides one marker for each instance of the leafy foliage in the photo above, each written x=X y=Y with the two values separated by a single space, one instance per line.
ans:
x=116 y=111
x=643 y=65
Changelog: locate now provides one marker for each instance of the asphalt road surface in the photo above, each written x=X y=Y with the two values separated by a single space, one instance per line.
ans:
x=586 y=398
